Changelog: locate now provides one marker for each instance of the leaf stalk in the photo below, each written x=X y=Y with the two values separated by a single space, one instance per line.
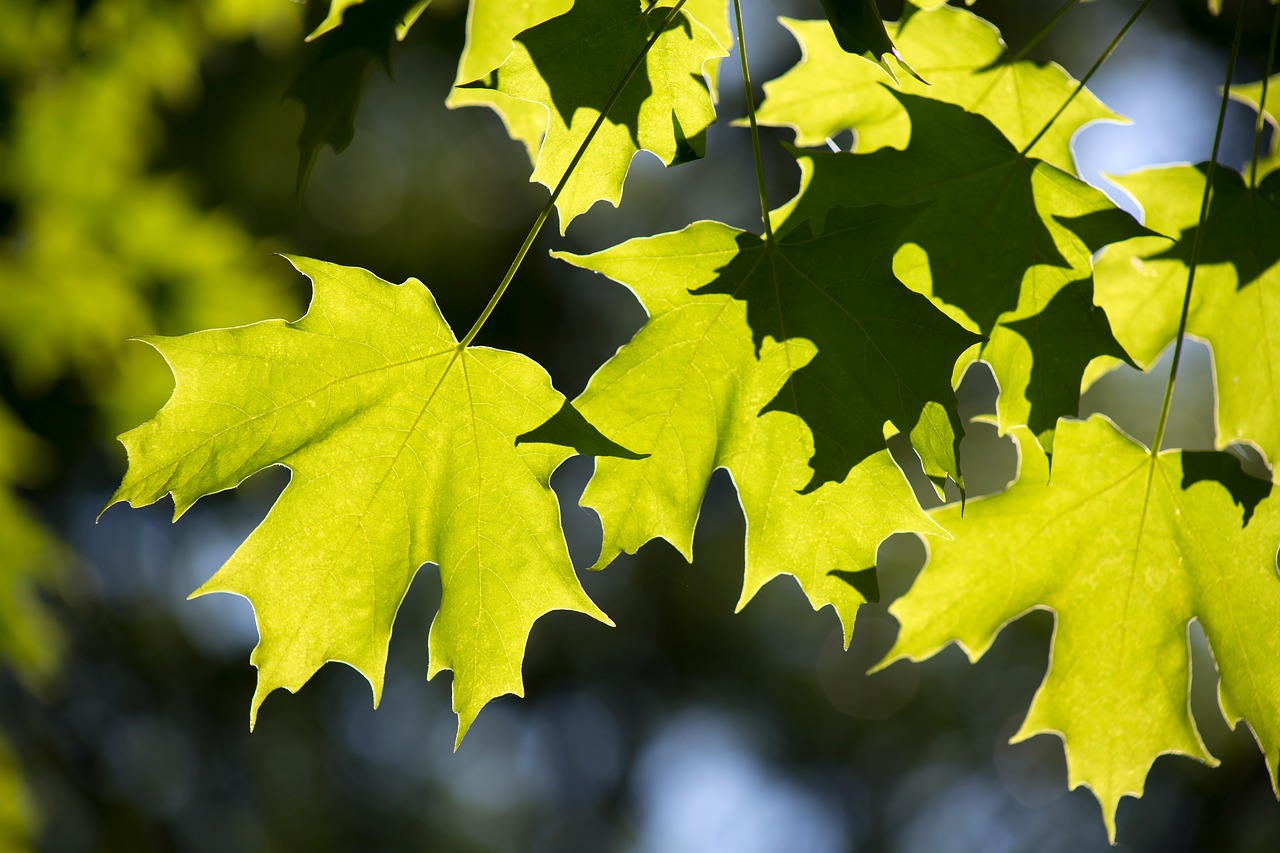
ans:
x=550 y=204
x=1205 y=199
x=751 y=119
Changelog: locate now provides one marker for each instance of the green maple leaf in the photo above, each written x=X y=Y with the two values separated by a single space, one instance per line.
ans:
x=404 y=448
x=884 y=352
x=977 y=184
x=688 y=389
x=666 y=109
x=493 y=25
x=1236 y=295
x=966 y=64
x=1269 y=108
x=30 y=643
x=1125 y=549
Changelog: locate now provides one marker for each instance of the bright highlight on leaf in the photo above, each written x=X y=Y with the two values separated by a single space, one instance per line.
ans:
x=688 y=389
x=404 y=450
x=1126 y=550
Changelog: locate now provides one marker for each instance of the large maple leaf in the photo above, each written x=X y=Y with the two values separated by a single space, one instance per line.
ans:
x=965 y=63
x=665 y=108
x=1235 y=300
x=688 y=390
x=404 y=448
x=1125 y=549
x=1029 y=292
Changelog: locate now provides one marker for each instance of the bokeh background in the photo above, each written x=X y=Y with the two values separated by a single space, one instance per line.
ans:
x=147 y=166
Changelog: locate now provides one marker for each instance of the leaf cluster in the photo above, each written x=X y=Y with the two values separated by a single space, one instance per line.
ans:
x=956 y=229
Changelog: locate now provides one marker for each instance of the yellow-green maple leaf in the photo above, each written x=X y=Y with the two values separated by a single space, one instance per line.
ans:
x=965 y=63
x=688 y=389
x=403 y=448
x=1125 y=550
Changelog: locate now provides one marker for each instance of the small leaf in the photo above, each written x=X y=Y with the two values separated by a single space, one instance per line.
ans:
x=335 y=69
x=859 y=30
x=666 y=103
x=687 y=390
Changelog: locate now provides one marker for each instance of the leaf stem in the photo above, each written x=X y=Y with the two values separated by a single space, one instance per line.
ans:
x=1199 y=238
x=751 y=119
x=1115 y=42
x=564 y=179
x=1262 y=97
x=1043 y=31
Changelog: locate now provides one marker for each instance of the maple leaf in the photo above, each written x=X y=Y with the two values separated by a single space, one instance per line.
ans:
x=965 y=62
x=492 y=26
x=977 y=184
x=1125 y=549
x=30 y=643
x=404 y=448
x=1237 y=289
x=665 y=110
x=688 y=389
x=1252 y=94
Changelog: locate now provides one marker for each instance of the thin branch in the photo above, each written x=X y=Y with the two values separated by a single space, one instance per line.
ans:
x=751 y=118
x=564 y=179
x=1115 y=42
x=1199 y=238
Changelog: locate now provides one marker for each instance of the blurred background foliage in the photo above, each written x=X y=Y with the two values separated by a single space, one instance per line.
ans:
x=147 y=166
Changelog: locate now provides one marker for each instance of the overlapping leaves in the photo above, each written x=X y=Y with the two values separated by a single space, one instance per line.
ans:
x=1236 y=295
x=965 y=63
x=665 y=109
x=689 y=389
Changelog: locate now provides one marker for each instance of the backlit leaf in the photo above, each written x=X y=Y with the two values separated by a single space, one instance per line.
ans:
x=1125 y=552
x=403 y=448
